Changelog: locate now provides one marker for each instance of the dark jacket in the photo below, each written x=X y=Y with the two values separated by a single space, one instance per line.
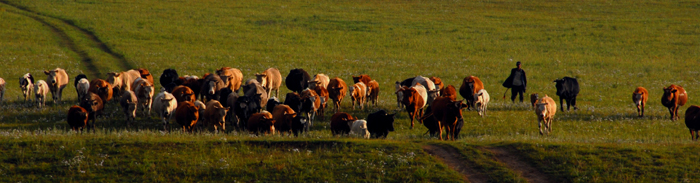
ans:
x=509 y=82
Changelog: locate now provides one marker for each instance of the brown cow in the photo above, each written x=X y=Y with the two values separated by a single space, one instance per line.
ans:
x=57 y=80
x=533 y=99
x=195 y=83
x=414 y=98
x=283 y=116
x=336 y=91
x=322 y=94
x=322 y=80
x=232 y=77
x=102 y=88
x=362 y=78
x=358 y=94
x=470 y=85
x=77 y=118
x=639 y=97
x=545 y=111
x=340 y=123
x=145 y=74
x=144 y=92
x=270 y=79
x=674 y=97
x=310 y=103
x=123 y=80
x=261 y=122
x=215 y=115
x=94 y=105
x=183 y=93
x=187 y=115
x=128 y=101
x=373 y=93
x=438 y=83
x=692 y=121
x=448 y=112
x=449 y=92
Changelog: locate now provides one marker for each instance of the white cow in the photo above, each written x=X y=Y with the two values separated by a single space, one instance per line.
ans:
x=322 y=79
x=26 y=83
x=359 y=128
x=481 y=101
x=41 y=89
x=546 y=108
x=57 y=80
x=430 y=88
x=82 y=87
x=165 y=104
x=144 y=92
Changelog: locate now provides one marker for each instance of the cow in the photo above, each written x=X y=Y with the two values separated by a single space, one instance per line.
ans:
x=362 y=78
x=481 y=101
x=145 y=74
x=123 y=80
x=546 y=108
x=244 y=108
x=211 y=86
x=310 y=103
x=336 y=91
x=414 y=98
x=76 y=80
x=433 y=92
x=144 y=91
x=183 y=93
x=195 y=84
x=533 y=99
x=293 y=100
x=261 y=122
x=202 y=107
x=692 y=121
x=165 y=104
x=359 y=128
x=26 y=83
x=82 y=87
x=187 y=115
x=567 y=89
x=470 y=85
x=322 y=80
x=94 y=105
x=674 y=97
x=167 y=79
x=322 y=94
x=340 y=123
x=358 y=94
x=380 y=123
x=433 y=125
x=57 y=80
x=232 y=78
x=215 y=115
x=639 y=97
x=77 y=118
x=272 y=103
x=373 y=93
x=230 y=102
x=449 y=91
x=297 y=80
x=129 y=103
x=438 y=83
x=399 y=95
x=256 y=92
x=283 y=116
x=102 y=88
x=299 y=125
x=2 y=89
x=270 y=79
x=448 y=113
x=41 y=89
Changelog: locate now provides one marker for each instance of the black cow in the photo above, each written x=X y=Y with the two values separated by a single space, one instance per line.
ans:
x=94 y=105
x=567 y=89
x=408 y=82
x=297 y=80
x=293 y=100
x=380 y=123
x=271 y=103
x=168 y=78
x=223 y=96
x=299 y=125
x=245 y=107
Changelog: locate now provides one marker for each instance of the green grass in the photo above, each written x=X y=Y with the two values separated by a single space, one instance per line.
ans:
x=611 y=47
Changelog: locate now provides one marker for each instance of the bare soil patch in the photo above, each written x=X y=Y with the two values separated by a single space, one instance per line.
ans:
x=452 y=158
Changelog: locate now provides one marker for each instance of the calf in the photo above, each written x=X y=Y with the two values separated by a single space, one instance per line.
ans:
x=340 y=123
x=674 y=97
x=336 y=91
x=433 y=92
x=2 y=89
x=310 y=103
x=362 y=78
x=102 y=88
x=321 y=79
x=232 y=78
x=82 y=87
x=546 y=108
x=145 y=74
x=165 y=104
x=123 y=80
x=448 y=113
x=94 y=105
x=567 y=89
x=284 y=117
x=215 y=115
x=187 y=115
x=270 y=79
x=380 y=123
x=470 y=85
x=261 y=122
x=41 y=89
x=533 y=99
x=77 y=118
x=692 y=121
x=322 y=94
x=449 y=92
x=183 y=94
x=57 y=79
x=358 y=94
x=26 y=83
x=297 y=80
x=244 y=108
x=167 y=79
x=481 y=100
x=639 y=97
x=414 y=98
x=76 y=81
x=299 y=125
x=359 y=128
x=438 y=83
x=144 y=91
x=128 y=101
x=373 y=94
x=211 y=86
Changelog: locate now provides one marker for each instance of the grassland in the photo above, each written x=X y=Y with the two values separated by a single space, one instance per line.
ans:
x=611 y=47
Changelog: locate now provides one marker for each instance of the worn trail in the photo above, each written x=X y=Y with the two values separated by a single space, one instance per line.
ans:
x=515 y=163
x=451 y=157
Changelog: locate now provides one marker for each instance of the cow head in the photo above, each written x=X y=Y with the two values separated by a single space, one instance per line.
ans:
x=561 y=88
x=542 y=109
x=131 y=109
x=299 y=124
x=637 y=98
x=356 y=79
x=408 y=93
x=262 y=78
x=455 y=108
x=670 y=93
x=51 y=79
x=167 y=105
x=267 y=124
x=91 y=102
x=313 y=83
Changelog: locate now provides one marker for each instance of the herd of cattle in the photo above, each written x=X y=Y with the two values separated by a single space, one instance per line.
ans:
x=214 y=100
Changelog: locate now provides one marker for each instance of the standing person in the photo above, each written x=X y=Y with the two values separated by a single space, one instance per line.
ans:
x=516 y=81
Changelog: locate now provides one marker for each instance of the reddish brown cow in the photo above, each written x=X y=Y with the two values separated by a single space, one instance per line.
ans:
x=261 y=122
x=470 y=86
x=145 y=74
x=639 y=97
x=336 y=91
x=232 y=77
x=448 y=112
x=102 y=88
x=187 y=115
x=363 y=77
x=195 y=83
x=414 y=98
x=692 y=121
x=674 y=97
x=77 y=118
x=533 y=99
x=323 y=94
x=283 y=116
x=373 y=92
x=449 y=92
x=340 y=123
x=438 y=83
x=183 y=93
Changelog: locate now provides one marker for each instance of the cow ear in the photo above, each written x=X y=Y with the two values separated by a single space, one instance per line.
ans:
x=46 y=72
x=674 y=91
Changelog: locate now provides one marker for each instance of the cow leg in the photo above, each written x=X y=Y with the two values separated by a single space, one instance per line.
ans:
x=573 y=103
x=642 y=110
x=412 y=115
x=670 y=110
x=561 y=101
x=675 y=112
x=539 y=126
x=696 y=134
x=439 y=129
x=60 y=94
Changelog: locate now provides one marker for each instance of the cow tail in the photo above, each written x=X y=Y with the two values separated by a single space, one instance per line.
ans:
x=504 y=93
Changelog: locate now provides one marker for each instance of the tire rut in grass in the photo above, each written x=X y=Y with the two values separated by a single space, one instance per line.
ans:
x=452 y=158
x=518 y=165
